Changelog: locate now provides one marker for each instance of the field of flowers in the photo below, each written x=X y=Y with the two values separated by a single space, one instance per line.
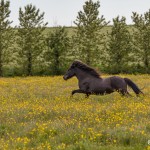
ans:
x=38 y=113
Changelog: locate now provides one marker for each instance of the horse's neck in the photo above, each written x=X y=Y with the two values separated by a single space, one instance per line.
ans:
x=81 y=75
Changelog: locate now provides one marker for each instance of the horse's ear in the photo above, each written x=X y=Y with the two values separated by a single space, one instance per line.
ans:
x=73 y=65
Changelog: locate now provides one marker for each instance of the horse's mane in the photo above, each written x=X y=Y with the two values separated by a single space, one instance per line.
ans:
x=86 y=68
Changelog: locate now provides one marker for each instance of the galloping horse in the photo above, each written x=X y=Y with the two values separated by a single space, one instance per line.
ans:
x=90 y=82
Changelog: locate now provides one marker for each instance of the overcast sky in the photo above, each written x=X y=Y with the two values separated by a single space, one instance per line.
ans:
x=64 y=12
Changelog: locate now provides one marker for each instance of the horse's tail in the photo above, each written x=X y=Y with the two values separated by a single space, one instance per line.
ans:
x=133 y=86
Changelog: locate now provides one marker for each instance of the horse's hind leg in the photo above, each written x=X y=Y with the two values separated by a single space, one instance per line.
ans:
x=124 y=92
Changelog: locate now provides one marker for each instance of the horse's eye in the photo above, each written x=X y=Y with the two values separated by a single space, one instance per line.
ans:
x=69 y=69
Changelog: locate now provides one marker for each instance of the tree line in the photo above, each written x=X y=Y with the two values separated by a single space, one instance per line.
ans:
x=29 y=49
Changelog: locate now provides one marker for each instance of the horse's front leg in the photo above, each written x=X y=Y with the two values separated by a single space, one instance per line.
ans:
x=80 y=91
x=77 y=91
x=87 y=95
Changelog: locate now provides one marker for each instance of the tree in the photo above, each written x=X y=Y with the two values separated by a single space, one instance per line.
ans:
x=119 y=46
x=6 y=32
x=88 y=36
x=31 y=36
x=58 y=45
x=142 y=38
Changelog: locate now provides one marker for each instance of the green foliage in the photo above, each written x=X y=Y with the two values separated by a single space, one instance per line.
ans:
x=142 y=38
x=88 y=32
x=30 y=36
x=118 y=46
x=6 y=34
x=57 y=54
x=33 y=49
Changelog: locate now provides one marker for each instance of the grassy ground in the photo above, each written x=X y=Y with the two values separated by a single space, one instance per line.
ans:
x=38 y=113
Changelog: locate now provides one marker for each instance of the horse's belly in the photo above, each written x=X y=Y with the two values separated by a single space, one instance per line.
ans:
x=102 y=90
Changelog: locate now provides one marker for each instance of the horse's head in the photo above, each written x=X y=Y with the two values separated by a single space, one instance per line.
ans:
x=78 y=65
x=70 y=73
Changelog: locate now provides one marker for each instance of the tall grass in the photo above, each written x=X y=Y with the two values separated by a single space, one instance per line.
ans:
x=38 y=113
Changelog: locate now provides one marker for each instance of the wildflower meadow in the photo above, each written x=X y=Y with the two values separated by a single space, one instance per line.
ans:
x=37 y=113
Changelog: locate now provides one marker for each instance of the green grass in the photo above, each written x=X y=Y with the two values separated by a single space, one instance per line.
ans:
x=38 y=113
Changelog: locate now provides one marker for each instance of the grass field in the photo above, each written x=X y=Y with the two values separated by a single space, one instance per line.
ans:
x=37 y=113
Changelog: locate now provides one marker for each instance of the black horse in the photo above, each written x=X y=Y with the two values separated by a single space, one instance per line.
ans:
x=90 y=81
